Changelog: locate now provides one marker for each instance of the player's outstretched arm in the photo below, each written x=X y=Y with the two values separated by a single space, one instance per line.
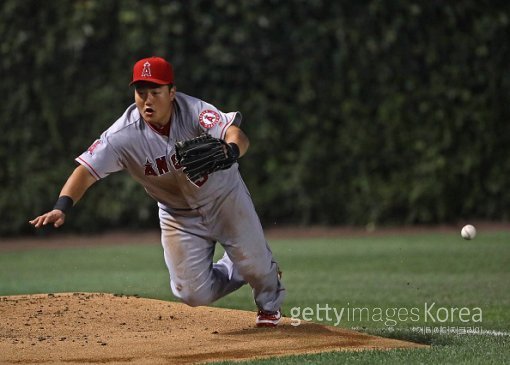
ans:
x=74 y=189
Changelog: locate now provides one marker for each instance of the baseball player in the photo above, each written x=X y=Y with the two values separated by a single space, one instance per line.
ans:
x=184 y=152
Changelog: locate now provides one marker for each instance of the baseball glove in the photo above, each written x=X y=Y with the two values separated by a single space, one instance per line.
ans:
x=205 y=154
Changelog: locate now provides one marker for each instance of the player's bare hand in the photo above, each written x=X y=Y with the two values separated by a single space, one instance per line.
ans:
x=57 y=217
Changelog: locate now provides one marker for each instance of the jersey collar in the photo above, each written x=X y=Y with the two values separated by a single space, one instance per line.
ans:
x=164 y=131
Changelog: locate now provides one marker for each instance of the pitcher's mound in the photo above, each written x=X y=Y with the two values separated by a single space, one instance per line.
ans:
x=105 y=328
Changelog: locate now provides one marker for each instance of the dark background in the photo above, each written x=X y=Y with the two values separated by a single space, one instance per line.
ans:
x=359 y=113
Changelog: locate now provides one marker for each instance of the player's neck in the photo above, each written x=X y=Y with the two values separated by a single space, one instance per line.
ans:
x=159 y=125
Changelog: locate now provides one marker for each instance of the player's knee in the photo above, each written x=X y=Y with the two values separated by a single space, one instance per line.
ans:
x=191 y=297
x=196 y=299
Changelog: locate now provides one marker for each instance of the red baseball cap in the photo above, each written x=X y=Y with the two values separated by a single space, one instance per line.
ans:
x=153 y=69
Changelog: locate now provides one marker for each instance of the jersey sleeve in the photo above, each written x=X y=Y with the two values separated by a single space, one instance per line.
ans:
x=216 y=123
x=100 y=159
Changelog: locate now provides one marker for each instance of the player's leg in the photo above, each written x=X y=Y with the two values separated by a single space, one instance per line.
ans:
x=188 y=256
x=236 y=225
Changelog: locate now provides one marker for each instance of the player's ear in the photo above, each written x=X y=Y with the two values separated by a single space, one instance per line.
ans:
x=172 y=90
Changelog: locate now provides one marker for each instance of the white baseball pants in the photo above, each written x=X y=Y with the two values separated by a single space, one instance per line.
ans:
x=189 y=238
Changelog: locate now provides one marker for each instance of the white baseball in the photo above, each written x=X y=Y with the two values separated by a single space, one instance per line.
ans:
x=468 y=232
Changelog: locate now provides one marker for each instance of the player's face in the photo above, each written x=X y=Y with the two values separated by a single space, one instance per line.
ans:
x=154 y=102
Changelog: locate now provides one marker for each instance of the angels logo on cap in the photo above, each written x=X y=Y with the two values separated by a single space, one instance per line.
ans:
x=209 y=118
x=146 y=72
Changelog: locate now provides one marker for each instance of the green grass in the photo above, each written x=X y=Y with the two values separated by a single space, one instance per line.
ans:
x=374 y=273
x=115 y=269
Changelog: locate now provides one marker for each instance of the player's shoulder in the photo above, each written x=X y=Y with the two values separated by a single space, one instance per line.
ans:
x=205 y=116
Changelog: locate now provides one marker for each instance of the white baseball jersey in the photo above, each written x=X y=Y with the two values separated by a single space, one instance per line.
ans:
x=134 y=145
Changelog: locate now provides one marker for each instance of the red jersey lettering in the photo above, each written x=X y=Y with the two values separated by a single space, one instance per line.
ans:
x=162 y=165
x=149 y=171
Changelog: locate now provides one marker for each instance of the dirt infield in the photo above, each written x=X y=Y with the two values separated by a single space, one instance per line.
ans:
x=105 y=328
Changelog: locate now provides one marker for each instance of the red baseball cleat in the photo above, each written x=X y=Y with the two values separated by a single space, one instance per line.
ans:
x=268 y=319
